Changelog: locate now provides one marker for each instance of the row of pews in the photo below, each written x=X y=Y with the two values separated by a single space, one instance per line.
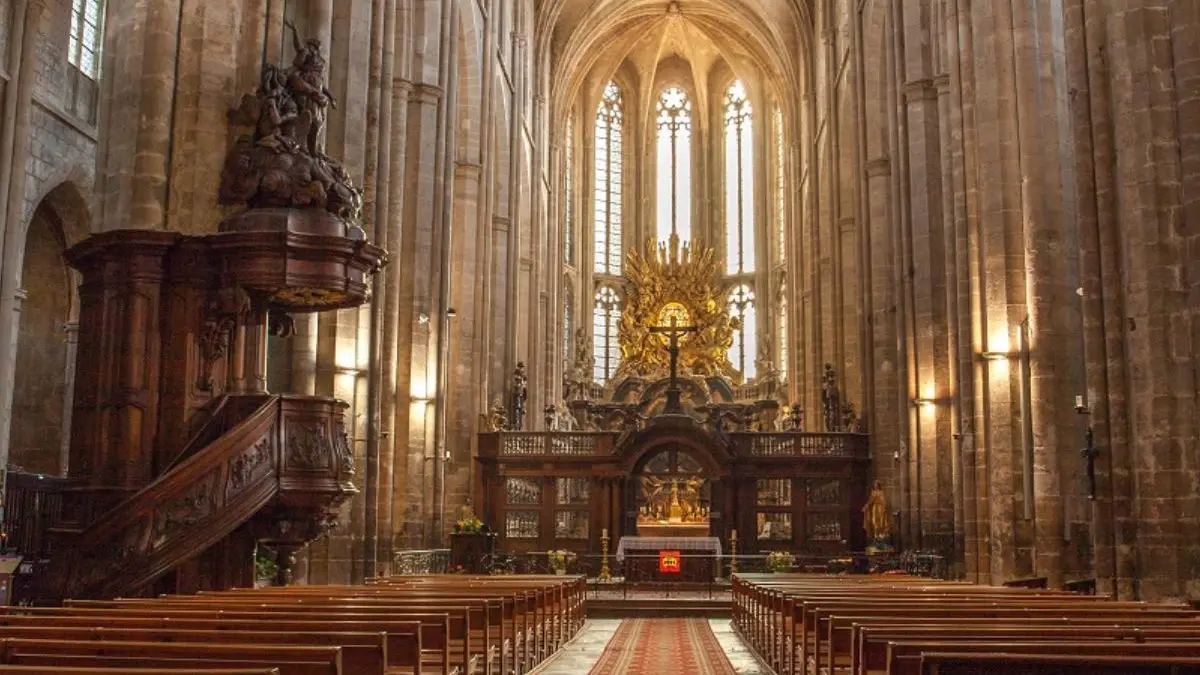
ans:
x=895 y=625
x=412 y=625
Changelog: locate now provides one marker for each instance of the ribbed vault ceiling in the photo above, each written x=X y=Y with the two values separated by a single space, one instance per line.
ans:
x=582 y=37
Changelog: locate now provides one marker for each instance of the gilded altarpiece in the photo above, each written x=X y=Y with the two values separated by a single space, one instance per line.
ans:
x=676 y=444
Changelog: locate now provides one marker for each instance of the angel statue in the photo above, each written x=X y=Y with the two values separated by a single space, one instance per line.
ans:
x=653 y=488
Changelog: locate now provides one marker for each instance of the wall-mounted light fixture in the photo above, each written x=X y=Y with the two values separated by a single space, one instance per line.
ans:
x=997 y=356
x=451 y=313
x=924 y=402
x=423 y=318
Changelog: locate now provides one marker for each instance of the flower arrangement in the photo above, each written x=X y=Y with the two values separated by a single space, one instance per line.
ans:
x=780 y=561
x=560 y=559
x=469 y=524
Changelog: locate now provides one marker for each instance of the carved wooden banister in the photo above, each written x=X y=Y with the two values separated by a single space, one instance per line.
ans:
x=178 y=516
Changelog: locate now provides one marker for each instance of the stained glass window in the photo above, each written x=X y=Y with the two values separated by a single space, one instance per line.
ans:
x=569 y=194
x=606 y=316
x=742 y=353
x=674 y=174
x=780 y=189
x=568 y=323
x=782 y=327
x=739 y=180
x=84 y=43
x=609 y=125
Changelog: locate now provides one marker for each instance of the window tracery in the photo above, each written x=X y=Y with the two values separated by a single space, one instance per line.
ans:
x=674 y=165
x=608 y=181
x=742 y=354
x=569 y=194
x=739 y=180
x=606 y=318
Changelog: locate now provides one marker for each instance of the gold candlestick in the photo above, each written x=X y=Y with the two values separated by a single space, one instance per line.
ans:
x=605 y=573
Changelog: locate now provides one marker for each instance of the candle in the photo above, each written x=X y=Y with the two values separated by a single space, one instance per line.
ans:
x=733 y=534
x=1078 y=401
x=604 y=533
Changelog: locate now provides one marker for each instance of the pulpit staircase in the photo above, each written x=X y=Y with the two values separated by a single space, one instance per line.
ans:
x=259 y=461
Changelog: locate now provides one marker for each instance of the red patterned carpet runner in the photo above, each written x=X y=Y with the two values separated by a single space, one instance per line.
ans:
x=663 y=647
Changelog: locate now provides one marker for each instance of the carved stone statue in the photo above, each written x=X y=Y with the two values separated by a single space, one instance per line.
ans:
x=831 y=406
x=875 y=516
x=280 y=163
x=520 y=394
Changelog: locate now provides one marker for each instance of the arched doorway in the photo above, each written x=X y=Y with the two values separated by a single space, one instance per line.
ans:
x=672 y=494
x=43 y=379
x=675 y=482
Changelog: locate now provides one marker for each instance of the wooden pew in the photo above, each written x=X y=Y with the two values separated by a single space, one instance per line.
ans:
x=812 y=625
x=54 y=670
x=362 y=653
x=448 y=655
x=951 y=663
x=288 y=659
x=905 y=658
x=402 y=640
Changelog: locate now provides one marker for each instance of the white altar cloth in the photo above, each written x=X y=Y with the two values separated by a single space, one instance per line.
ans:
x=710 y=545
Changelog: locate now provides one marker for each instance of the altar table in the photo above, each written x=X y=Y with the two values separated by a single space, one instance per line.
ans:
x=699 y=558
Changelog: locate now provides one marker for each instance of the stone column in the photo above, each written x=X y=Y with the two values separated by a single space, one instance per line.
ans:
x=1104 y=318
x=930 y=435
x=14 y=149
x=1157 y=336
x=417 y=380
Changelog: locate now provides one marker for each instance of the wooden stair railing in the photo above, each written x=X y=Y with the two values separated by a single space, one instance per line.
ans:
x=195 y=504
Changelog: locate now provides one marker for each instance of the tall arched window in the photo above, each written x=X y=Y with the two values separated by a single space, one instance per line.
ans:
x=568 y=323
x=739 y=181
x=606 y=315
x=742 y=353
x=569 y=193
x=609 y=118
x=782 y=329
x=83 y=48
x=780 y=189
x=674 y=176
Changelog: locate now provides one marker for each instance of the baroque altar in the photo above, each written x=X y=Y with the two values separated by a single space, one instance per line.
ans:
x=677 y=444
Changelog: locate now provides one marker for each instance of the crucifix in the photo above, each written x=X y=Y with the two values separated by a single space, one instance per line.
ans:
x=673 y=332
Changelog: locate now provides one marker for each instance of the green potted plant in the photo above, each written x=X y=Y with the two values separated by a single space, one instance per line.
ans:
x=559 y=560
x=780 y=562
x=265 y=569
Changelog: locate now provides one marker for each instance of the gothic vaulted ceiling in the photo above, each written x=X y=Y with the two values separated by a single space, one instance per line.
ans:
x=582 y=37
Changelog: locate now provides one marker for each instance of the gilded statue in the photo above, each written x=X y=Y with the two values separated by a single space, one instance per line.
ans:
x=876 y=520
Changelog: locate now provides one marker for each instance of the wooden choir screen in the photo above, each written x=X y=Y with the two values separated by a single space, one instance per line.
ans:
x=801 y=492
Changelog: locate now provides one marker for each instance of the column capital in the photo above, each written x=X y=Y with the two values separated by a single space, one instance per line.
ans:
x=917 y=90
x=520 y=41
x=425 y=93
x=402 y=84
x=942 y=84
x=471 y=170
x=880 y=166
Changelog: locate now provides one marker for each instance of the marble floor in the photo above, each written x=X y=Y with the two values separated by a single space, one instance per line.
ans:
x=578 y=657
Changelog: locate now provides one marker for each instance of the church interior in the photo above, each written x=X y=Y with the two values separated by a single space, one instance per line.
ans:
x=600 y=336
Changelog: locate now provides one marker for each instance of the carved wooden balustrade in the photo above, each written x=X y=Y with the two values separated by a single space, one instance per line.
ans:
x=526 y=444
x=284 y=465
x=32 y=504
x=801 y=444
